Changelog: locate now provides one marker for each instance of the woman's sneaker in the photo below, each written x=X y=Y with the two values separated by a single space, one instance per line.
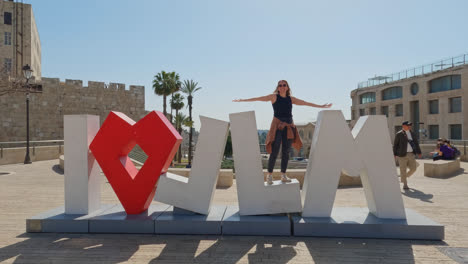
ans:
x=270 y=179
x=285 y=178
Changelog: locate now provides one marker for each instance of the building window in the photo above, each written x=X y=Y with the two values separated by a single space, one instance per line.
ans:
x=362 y=112
x=446 y=83
x=384 y=110
x=392 y=93
x=310 y=135
x=455 y=105
x=399 y=110
x=455 y=131
x=433 y=131
x=372 y=111
x=7 y=18
x=7 y=38
x=414 y=88
x=398 y=128
x=7 y=64
x=367 y=98
x=433 y=107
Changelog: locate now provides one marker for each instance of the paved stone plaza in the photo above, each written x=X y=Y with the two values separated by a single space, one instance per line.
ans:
x=35 y=188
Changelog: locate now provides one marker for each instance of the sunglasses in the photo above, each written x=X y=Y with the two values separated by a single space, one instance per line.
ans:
x=282 y=85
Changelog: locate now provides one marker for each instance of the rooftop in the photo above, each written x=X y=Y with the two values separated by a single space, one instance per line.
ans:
x=416 y=71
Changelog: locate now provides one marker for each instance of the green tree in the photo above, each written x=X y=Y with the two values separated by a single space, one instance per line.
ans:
x=181 y=120
x=228 y=148
x=177 y=102
x=189 y=87
x=165 y=84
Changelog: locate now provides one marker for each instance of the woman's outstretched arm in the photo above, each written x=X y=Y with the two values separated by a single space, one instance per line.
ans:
x=265 y=98
x=298 y=101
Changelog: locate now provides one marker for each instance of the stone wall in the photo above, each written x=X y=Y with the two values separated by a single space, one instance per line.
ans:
x=46 y=109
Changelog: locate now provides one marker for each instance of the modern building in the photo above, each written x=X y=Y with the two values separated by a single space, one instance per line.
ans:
x=19 y=39
x=434 y=97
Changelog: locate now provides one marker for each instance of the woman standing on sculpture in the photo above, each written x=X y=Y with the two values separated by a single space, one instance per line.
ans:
x=282 y=132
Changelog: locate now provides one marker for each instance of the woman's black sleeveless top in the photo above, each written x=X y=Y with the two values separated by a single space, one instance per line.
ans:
x=283 y=108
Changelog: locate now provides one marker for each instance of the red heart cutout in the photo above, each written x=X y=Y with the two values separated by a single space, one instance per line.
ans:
x=117 y=137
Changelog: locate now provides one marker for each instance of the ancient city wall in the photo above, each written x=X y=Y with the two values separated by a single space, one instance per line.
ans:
x=46 y=109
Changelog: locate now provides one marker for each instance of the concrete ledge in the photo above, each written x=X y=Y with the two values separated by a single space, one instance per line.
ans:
x=441 y=168
x=62 y=162
x=16 y=155
x=262 y=225
x=298 y=174
x=172 y=222
x=359 y=223
x=226 y=176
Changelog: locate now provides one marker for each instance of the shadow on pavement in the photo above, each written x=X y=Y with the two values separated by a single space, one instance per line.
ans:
x=340 y=250
x=117 y=248
x=414 y=193
x=57 y=169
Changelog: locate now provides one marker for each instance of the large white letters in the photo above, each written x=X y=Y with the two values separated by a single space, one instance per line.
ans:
x=82 y=181
x=366 y=151
x=256 y=197
x=196 y=192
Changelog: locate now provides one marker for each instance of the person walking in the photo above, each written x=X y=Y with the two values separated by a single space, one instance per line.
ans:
x=405 y=147
x=282 y=131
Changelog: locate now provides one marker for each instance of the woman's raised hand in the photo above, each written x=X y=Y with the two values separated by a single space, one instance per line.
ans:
x=237 y=100
x=326 y=105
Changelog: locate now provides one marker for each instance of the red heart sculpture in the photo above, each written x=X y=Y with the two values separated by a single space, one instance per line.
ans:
x=117 y=137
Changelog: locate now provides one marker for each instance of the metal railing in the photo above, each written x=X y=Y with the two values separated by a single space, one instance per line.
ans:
x=416 y=71
x=32 y=144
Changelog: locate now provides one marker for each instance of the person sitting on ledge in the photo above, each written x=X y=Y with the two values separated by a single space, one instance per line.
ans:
x=436 y=153
x=282 y=131
x=446 y=150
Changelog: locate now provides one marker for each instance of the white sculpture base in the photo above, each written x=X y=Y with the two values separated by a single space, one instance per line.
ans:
x=359 y=223
x=226 y=220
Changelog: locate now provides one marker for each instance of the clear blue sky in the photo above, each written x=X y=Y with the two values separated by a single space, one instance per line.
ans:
x=240 y=49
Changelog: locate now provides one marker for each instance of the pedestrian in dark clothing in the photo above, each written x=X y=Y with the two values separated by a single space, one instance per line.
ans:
x=405 y=147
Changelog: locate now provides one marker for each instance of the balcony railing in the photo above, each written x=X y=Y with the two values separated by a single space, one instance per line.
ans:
x=416 y=71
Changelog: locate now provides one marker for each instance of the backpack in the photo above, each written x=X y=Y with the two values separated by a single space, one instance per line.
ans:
x=456 y=152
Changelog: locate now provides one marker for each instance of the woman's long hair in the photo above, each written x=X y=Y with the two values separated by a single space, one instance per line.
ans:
x=288 y=92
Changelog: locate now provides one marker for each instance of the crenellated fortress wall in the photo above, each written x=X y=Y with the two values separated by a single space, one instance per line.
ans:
x=58 y=98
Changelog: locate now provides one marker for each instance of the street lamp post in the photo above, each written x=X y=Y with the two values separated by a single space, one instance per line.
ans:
x=27 y=74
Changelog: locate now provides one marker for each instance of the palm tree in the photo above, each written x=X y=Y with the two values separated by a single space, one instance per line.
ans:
x=177 y=102
x=162 y=87
x=165 y=84
x=181 y=120
x=189 y=88
x=176 y=85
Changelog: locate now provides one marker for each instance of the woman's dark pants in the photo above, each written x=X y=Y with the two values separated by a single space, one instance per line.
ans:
x=281 y=139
